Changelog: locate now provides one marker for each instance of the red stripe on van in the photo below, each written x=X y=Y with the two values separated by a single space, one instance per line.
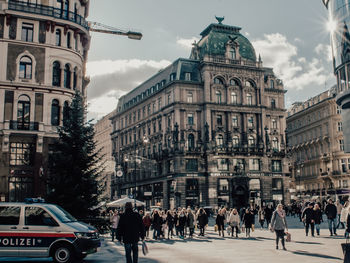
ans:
x=23 y=234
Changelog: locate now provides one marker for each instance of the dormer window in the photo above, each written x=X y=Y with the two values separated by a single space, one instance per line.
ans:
x=188 y=76
x=272 y=84
x=233 y=54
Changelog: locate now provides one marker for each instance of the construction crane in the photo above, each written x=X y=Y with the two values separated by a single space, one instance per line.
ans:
x=101 y=28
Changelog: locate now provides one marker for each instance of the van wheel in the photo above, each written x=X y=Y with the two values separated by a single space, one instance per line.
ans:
x=62 y=254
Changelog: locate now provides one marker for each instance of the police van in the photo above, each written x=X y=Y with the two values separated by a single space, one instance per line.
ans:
x=37 y=229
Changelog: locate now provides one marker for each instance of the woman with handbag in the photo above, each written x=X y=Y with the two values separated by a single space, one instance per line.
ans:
x=234 y=221
x=248 y=220
x=279 y=224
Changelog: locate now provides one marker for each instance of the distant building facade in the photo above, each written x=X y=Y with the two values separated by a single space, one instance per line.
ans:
x=43 y=47
x=204 y=131
x=103 y=130
x=318 y=164
x=339 y=15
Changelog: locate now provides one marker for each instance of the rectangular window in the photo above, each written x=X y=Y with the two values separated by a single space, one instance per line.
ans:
x=276 y=166
x=338 y=110
x=223 y=185
x=341 y=145
x=191 y=165
x=340 y=126
x=21 y=153
x=169 y=98
x=189 y=97
x=343 y=165
x=223 y=164
x=276 y=184
x=345 y=184
x=250 y=122
x=254 y=164
x=219 y=119
x=234 y=121
x=27 y=32
x=9 y=215
x=190 y=119
x=188 y=76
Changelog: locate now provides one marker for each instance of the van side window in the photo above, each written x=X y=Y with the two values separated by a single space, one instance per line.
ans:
x=36 y=216
x=9 y=215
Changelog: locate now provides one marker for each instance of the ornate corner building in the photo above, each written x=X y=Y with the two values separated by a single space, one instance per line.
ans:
x=43 y=47
x=319 y=167
x=339 y=18
x=208 y=130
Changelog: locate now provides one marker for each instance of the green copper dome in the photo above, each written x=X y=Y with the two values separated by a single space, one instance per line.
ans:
x=215 y=37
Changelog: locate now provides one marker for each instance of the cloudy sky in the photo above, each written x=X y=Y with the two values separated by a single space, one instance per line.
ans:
x=290 y=35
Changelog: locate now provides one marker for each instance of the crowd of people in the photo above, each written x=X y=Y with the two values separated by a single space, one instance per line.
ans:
x=183 y=222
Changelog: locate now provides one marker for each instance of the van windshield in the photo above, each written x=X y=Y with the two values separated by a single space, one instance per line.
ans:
x=61 y=214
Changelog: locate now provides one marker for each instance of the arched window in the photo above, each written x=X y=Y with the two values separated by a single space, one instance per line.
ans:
x=190 y=142
x=56 y=74
x=233 y=97
x=58 y=37
x=189 y=97
x=234 y=82
x=233 y=54
x=275 y=146
x=249 y=99
x=66 y=9
x=251 y=141
x=69 y=39
x=235 y=141
x=75 y=78
x=65 y=112
x=220 y=140
x=67 y=76
x=23 y=112
x=218 y=81
x=55 y=113
x=249 y=83
x=25 y=68
x=218 y=96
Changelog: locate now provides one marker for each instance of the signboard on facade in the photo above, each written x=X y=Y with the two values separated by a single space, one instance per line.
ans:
x=147 y=193
x=192 y=175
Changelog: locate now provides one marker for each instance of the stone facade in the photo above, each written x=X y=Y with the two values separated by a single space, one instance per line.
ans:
x=318 y=164
x=208 y=130
x=103 y=130
x=43 y=47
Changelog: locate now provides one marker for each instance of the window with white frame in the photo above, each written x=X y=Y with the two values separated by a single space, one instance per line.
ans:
x=343 y=165
x=27 y=32
x=233 y=97
x=341 y=145
x=250 y=122
x=189 y=97
x=251 y=141
x=25 y=68
x=190 y=119
x=274 y=124
x=235 y=121
x=249 y=99
x=219 y=140
x=340 y=126
x=222 y=164
x=254 y=164
x=235 y=141
x=218 y=96
x=275 y=146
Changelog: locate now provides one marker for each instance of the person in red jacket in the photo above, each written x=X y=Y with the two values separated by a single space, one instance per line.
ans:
x=147 y=223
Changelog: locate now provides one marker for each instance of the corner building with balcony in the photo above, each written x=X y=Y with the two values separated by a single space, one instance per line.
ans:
x=43 y=47
x=319 y=166
x=215 y=129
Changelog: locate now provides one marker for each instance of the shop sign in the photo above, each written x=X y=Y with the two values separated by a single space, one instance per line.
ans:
x=147 y=193
x=255 y=174
x=221 y=174
x=192 y=175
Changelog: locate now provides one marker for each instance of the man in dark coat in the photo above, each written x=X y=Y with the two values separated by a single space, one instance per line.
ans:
x=331 y=212
x=308 y=217
x=130 y=230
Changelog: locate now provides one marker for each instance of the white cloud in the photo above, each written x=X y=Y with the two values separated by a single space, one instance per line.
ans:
x=296 y=72
x=111 y=79
x=186 y=42
x=324 y=50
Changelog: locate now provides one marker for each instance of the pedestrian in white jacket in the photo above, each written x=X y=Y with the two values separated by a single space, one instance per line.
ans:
x=234 y=221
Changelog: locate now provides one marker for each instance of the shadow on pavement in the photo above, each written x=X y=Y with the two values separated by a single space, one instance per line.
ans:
x=305 y=253
x=308 y=243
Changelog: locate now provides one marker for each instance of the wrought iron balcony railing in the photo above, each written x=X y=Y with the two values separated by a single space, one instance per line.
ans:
x=47 y=11
x=26 y=126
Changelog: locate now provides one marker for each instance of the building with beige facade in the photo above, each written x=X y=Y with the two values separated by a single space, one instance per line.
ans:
x=318 y=164
x=43 y=46
x=208 y=130
x=103 y=130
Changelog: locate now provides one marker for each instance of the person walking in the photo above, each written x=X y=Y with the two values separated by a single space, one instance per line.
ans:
x=308 y=218
x=147 y=222
x=202 y=221
x=279 y=225
x=114 y=223
x=344 y=214
x=156 y=224
x=339 y=209
x=261 y=217
x=234 y=221
x=220 y=221
x=331 y=212
x=130 y=230
x=170 y=223
x=318 y=218
x=268 y=215
x=248 y=219
x=182 y=223
x=190 y=222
